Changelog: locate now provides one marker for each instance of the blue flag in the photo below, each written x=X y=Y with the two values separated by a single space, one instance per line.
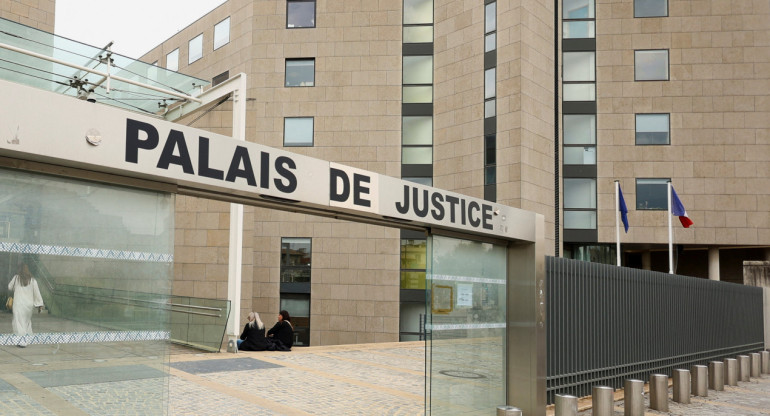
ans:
x=622 y=208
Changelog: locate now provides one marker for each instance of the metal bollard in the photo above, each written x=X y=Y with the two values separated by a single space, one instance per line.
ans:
x=700 y=380
x=566 y=405
x=508 y=411
x=731 y=371
x=765 y=362
x=682 y=386
x=659 y=392
x=602 y=401
x=633 y=398
x=744 y=367
x=717 y=375
x=755 y=365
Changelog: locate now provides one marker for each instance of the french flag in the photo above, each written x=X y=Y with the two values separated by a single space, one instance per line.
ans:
x=678 y=209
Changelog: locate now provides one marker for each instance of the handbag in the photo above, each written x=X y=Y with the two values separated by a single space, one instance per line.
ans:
x=9 y=303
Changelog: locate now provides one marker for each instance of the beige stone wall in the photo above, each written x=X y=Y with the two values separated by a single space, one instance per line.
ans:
x=719 y=155
x=39 y=14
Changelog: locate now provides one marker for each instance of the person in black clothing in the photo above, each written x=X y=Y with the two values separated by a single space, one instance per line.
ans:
x=282 y=333
x=253 y=336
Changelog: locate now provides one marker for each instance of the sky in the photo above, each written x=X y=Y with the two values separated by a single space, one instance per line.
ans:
x=136 y=26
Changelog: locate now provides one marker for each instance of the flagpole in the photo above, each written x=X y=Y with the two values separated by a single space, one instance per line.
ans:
x=617 y=221
x=670 y=234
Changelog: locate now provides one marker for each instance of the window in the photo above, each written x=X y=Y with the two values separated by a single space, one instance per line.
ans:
x=418 y=69
x=490 y=159
x=418 y=34
x=300 y=13
x=298 y=131
x=650 y=8
x=651 y=65
x=418 y=94
x=413 y=263
x=578 y=19
x=490 y=27
x=417 y=155
x=579 y=139
x=652 y=129
x=419 y=180
x=579 y=203
x=580 y=29
x=579 y=76
x=300 y=72
x=172 y=60
x=489 y=83
x=220 y=78
x=222 y=33
x=295 y=260
x=578 y=9
x=651 y=193
x=417 y=130
x=298 y=306
x=418 y=12
x=195 y=47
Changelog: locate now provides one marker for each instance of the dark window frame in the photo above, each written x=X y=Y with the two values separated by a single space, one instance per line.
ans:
x=636 y=130
x=315 y=14
x=286 y=72
x=283 y=266
x=651 y=17
x=668 y=65
x=638 y=199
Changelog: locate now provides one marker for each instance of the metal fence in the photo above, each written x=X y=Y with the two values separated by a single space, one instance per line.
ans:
x=607 y=324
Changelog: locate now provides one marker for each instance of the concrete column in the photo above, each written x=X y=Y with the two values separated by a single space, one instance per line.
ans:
x=714 y=263
x=602 y=401
x=717 y=375
x=699 y=380
x=744 y=368
x=682 y=386
x=659 y=392
x=755 y=365
x=646 y=261
x=731 y=371
x=633 y=398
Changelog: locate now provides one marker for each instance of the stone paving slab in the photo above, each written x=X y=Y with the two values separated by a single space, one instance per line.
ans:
x=228 y=365
x=79 y=376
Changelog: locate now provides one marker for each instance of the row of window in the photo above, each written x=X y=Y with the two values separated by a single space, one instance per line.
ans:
x=578 y=16
x=195 y=45
x=579 y=71
x=580 y=199
x=490 y=100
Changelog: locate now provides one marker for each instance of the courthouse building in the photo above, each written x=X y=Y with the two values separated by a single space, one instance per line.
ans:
x=496 y=99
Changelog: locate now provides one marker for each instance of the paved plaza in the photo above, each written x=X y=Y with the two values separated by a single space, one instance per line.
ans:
x=365 y=379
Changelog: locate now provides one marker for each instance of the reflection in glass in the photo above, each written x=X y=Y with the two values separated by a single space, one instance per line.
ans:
x=300 y=13
x=652 y=129
x=295 y=259
x=418 y=11
x=417 y=130
x=420 y=180
x=490 y=175
x=172 y=60
x=579 y=92
x=298 y=131
x=579 y=155
x=490 y=149
x=580 y=29
x=412 y=280
x=298 y=306
x=222 y=33
x=578 y=9
x=417 y=155
x=490 y=42
x=580 y=129
x=418 y=69
x=195 y=48
x=418 y=94
x=650 y=8
x=300 y=72
x=651 y=65
x=651 y=193
x=413 y=254
x=490 y=108
x=579 y=66
x=580 y=220
x=490 y=83
x=418 y=34
x=579 y=193
x=490 y=17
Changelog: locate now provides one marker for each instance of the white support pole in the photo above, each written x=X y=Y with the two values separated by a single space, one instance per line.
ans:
x=617 y=220
x=235 y=262
x=670 y=232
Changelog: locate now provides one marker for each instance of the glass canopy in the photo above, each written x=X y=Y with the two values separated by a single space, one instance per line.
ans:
x=56 y=77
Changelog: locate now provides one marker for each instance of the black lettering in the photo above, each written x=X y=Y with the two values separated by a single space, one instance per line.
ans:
x=438 y=206
x=282 y=166
x=133 y=144
x=462 y=211
x=176 y=140
x=474 y=222
x=486 y=214
x=421 y=212
x=358 y=189
x=334 y=193
x=452 y=202
x=241 y=154
x=403 y=207
x=203 y=161
x=264 y=169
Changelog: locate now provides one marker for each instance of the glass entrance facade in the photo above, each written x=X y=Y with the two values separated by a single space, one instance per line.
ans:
x=466 y=310
x=89 y=267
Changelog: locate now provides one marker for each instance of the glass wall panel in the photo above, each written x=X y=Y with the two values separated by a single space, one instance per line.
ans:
x=582 y=155
x=418 y=69
x=651 y=193
x=417 y=130
x=581 y=220
x=579 y=29
x=417 y=155
x=418 y=11
x=652 y=129
x=578 y=9
x=90 y=269
x=298 y=306
x=466 y=327
x=418 y=34
x=580 y=129
x=418 y=94
x=579 y=193
x=651 y=65
x=579 y=66
x=579 y=92
x=222 y=33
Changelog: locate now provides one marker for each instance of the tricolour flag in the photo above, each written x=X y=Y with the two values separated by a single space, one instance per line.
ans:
x=678 y=209
x=622 y=208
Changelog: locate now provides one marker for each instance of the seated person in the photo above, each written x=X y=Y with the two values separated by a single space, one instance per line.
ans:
x=253 y=336
x=282 y=333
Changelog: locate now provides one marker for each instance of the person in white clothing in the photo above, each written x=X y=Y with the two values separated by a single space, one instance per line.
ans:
x=26 y=297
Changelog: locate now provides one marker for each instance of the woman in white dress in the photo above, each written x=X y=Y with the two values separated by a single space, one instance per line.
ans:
x=26 y=297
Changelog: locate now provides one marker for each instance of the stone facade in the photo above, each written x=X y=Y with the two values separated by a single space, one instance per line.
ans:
x=35 y=13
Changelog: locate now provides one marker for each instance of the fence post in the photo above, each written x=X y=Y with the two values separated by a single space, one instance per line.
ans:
x=633 y=401
x=755 y=365
x=699 y=380
x=566 y=405
x=602 y=400
x=731 y=371
x=508 y=411
x=659 y=392
x=765 y=362
x=717 y=375
x=681 y=386
x=744 y=367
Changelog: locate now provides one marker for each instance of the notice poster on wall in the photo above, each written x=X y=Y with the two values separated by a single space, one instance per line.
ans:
x=464 y=294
